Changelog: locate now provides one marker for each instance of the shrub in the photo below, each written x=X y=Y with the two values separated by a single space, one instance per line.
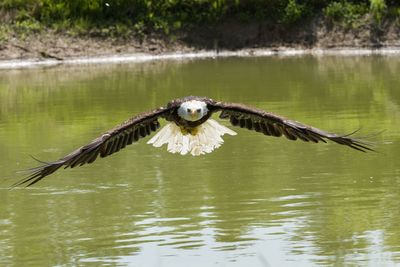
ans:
x=345 y=13
x=293 y=12
x=378 y=10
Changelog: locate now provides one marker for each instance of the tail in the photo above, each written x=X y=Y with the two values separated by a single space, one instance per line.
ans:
x=207 y=138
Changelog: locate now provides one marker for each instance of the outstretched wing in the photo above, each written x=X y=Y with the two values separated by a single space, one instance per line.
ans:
x=274 y=125
x=110 y=142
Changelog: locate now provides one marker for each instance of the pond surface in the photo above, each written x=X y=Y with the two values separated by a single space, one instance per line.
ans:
x=255 y=201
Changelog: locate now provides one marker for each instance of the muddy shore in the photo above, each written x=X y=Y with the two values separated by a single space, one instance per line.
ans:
x=231 y=36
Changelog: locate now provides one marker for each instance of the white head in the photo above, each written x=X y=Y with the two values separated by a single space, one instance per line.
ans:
x=192 y=110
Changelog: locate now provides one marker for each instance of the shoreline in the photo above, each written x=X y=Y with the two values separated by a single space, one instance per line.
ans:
x=230 y=38
x=246 y=52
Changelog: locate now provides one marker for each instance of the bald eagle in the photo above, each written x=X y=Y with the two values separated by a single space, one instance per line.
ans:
x=189 y=131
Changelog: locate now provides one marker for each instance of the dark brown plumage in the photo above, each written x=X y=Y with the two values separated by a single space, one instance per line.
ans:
x=274 y=125
x=144 y=124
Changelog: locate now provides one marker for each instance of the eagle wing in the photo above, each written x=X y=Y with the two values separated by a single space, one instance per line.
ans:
x=108 y=143
x=274 y=125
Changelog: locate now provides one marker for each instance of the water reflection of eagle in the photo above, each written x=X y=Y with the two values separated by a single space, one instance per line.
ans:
x=190 y=130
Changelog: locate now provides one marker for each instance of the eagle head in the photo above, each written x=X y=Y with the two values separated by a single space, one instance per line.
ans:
x=192 y=110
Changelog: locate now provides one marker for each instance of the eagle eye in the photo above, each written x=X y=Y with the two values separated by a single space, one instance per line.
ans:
x=198 y=110
x=188 y=110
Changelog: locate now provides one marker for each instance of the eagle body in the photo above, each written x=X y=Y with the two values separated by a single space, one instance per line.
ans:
x=190 y=130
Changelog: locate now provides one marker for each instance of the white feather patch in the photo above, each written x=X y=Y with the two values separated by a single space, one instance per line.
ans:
x=207 y=139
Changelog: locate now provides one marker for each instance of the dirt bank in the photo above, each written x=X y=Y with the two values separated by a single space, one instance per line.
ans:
x=229 y=35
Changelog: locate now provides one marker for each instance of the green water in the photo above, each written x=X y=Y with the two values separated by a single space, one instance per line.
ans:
x=255 y=201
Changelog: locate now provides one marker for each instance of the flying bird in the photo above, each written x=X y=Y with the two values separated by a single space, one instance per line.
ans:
x=190 y=130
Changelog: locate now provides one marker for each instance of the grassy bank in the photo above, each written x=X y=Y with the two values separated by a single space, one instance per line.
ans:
x=63 y=29
x=123 y=18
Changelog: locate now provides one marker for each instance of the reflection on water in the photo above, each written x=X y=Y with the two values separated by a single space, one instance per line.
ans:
x=256 y=201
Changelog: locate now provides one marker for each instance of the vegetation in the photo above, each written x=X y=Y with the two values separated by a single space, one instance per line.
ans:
x=346 y=14
x=124 y=17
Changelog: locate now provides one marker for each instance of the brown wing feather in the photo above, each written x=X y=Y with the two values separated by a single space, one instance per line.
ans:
x=110 y=142
x=274 y=125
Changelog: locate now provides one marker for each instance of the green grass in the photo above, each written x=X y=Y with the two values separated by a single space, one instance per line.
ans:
x=126 y=17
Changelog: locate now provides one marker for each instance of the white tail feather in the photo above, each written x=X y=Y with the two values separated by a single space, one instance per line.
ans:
x=207 y=138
